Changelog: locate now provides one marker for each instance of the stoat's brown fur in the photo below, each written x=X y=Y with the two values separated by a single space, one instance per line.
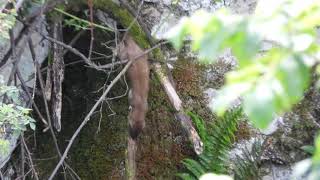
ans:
x=138 y=74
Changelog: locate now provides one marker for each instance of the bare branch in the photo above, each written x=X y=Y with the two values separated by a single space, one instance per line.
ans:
x=22 y=158
x=36 y=64
x=169 y=89
x=24 y=87
x=74 y=40
x=90 y=4
x=30 y=158
x=73 y=50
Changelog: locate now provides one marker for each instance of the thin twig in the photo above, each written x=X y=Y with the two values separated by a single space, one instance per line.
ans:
x=30 y=158
x=73 y=50
x=1 y=175
x=122 y=95
x=45 y=101
x=126 y=4
x=14 y=57
x=24 y=87
x=90 y=4
x=74 y=40
x=84 y=21
x=25 y=175
x=22 y=158
x=135 y=19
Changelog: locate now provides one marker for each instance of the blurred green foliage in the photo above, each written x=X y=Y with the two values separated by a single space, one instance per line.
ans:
x=7 y=21
x=269 y=83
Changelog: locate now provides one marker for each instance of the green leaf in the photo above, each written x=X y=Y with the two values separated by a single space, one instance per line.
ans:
x=259 y=105
x=4 y=147
x=194 y=167
x=202 y=24
x=227 y=95
x=244 y=44
x=185 y=176
x=177 y=34
x=316 y=157
x=308 y=149
x=294 y=77
x=211 y=47
x=32 y=126
x=249 y=73
x=281 y=99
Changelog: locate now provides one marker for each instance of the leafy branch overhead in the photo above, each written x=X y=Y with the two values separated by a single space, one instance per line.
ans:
x=269 y=83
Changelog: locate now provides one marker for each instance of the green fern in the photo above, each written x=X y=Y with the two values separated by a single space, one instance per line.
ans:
x=217 y=138
x=247 y=165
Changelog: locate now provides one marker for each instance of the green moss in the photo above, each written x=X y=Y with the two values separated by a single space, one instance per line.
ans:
x=159 y=154
x=188 y=76
x=101 y=155
x=54 y=15
x=125 y=19
x=158 y=55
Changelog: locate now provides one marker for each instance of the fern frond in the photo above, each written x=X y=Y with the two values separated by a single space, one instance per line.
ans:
x=186 y=176
x=194 y=167
x=217 y=137
x=247 y=165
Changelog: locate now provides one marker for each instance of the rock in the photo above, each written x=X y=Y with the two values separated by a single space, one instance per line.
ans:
x=211 y=94
x=242 y=6
x=167 y=21
x=167 y=2
x=244 y=144
x=26 y=67
x=273 y=126
x=278 y=172
x=105 y=19
x=193 y=5
x=152 y=13
x=12 y=139
x=152 y=1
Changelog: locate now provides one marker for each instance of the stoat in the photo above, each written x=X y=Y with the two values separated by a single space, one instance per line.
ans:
x=138 y=74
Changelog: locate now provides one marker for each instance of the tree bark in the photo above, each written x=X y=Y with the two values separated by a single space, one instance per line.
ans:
x=57 y=74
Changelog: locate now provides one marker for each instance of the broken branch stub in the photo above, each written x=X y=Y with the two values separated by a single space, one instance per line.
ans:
x=176 y=102
x=57 y=75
